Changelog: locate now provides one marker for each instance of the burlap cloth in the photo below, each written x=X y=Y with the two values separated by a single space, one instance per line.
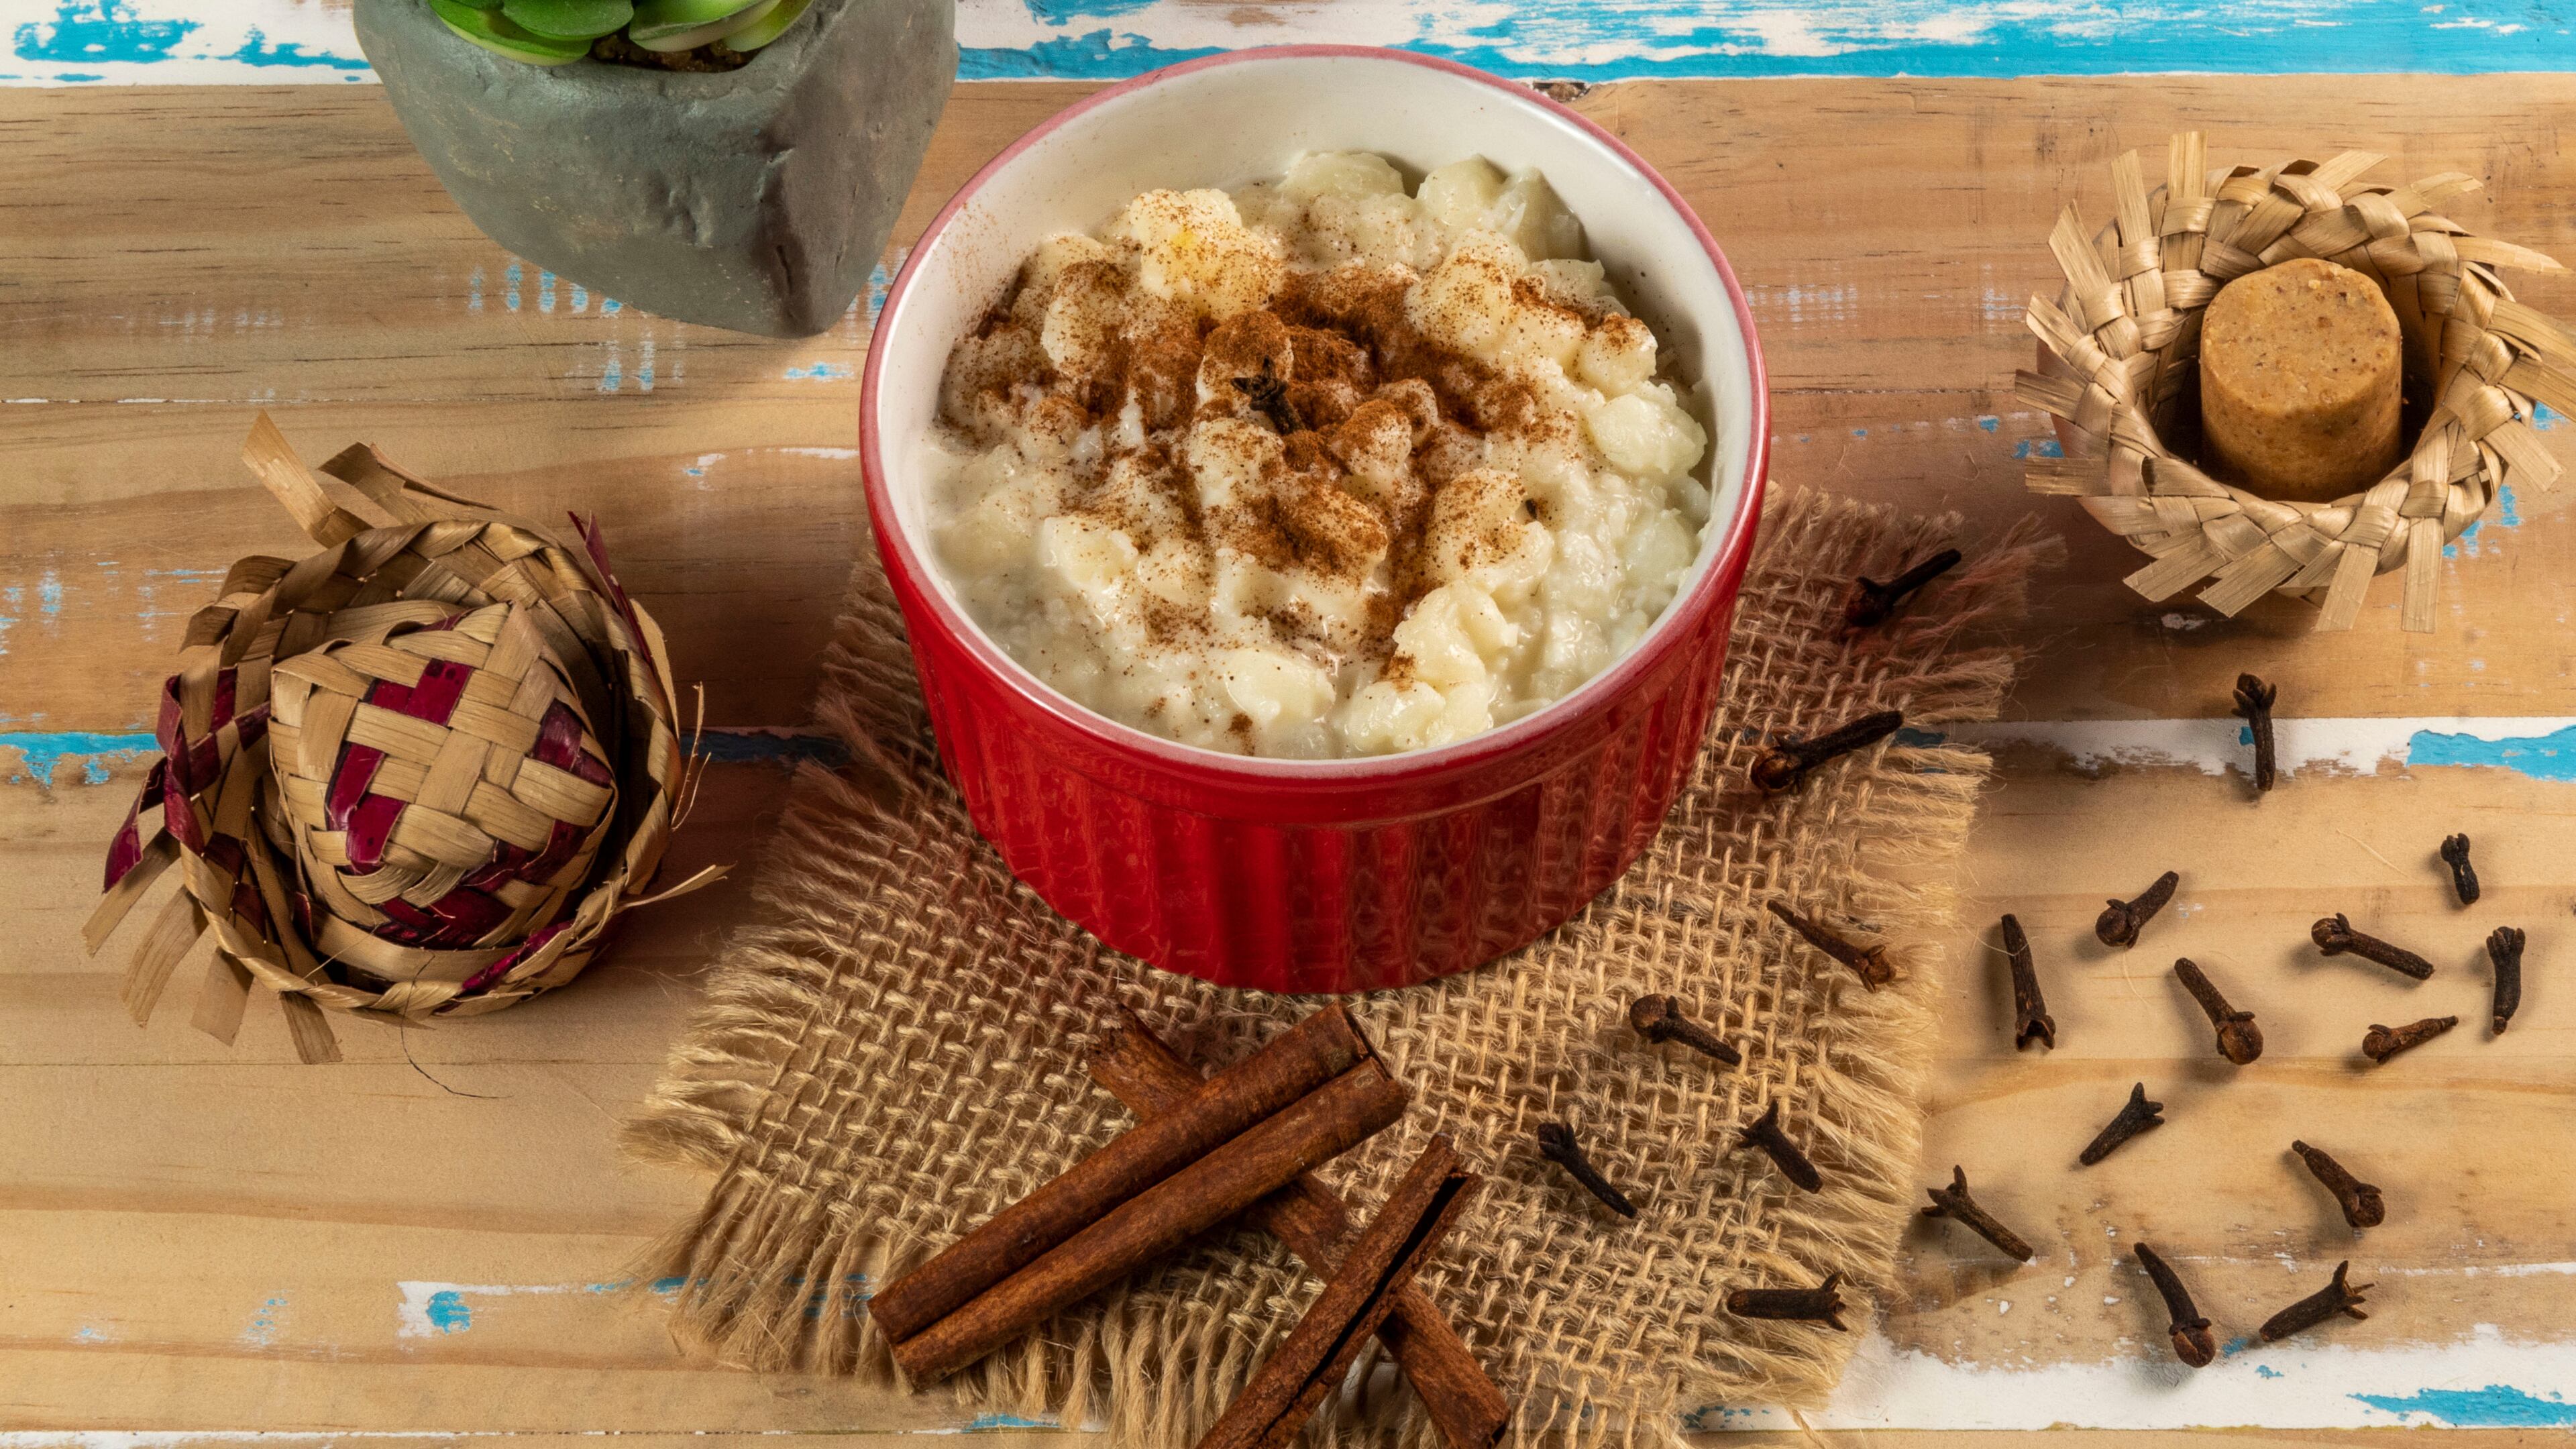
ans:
x=894 y=1052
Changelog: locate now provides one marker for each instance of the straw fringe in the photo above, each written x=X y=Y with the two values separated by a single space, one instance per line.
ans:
x=893 y=1053
x=2121 y=353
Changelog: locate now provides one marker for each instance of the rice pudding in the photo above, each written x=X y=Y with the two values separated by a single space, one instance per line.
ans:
x=1319 y=467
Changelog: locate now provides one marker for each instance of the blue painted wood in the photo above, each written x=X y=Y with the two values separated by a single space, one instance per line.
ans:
x=165 y=42
x=34 y=757
x=72 y=42
x=1630 y=39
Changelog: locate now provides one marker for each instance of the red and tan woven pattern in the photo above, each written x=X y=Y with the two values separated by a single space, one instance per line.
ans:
x=419 y=773
x=2121 y=356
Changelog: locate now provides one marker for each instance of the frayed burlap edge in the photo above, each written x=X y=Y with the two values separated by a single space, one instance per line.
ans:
x=899 y=976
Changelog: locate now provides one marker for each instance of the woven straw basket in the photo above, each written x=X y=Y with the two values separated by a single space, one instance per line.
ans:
x=2120 y=359
x=417 y=774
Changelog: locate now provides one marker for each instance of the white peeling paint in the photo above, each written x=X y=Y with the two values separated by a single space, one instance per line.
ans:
x=2474 y=1270
x=2216 y=746
x=414 y=1316
x=2299 y=1384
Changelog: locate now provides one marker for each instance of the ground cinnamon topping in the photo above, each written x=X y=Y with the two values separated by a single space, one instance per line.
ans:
x=1352 y=367
x=1197 y=440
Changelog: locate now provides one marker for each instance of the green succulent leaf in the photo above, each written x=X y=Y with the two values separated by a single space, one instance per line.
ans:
x=663 y=16
x=768 y=27
x=671 y=35
x=496 y=33
x=569 y=19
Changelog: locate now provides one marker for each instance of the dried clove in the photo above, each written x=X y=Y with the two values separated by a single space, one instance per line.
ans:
x=1766 y=1134
x=2336 y=1297
x=1556 y=1143
x=2120 y=920
x=1872 y=602
x=1268 y=396
x=2239 y=1039
x=2254 y=703
x=2382 y=1042
x=1954 y=1203
x=2362 y=1205
x=2334 y=936
x=2504 y=948
x=1870 y=961
x=2192 y=1341
x=1819 y=1304
x=2136 y=1115
x=2464 y=876
x=1784 y=765
x=2030 y=1010
x=1660 y=1019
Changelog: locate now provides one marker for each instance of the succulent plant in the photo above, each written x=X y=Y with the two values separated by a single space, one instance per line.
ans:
x=558 y=32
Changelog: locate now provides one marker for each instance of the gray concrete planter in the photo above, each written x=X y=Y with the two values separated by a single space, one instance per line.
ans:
x=756 y=199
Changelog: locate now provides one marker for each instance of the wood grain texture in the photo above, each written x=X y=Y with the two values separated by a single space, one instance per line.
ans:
x=240 y=248
x=224 y=250
x=273 y=42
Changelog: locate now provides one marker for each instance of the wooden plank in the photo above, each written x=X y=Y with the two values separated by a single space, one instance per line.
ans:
x=151 y=257
x=2466 y=1134
x=516 y=1186
x=251 y=42
x=59 y=1008
x=351 y=314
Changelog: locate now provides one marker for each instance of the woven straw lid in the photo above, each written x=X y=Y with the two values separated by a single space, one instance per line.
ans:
x=417 y=774
x=2121 y=351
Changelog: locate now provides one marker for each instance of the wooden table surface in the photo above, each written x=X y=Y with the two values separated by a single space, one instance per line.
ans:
x=206 y=1243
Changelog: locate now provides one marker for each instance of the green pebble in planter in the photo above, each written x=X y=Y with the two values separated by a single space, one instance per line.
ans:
x=756 y=199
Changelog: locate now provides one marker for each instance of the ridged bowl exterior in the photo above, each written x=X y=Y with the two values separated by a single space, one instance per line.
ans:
x=1339 y=876
x=1395 y=884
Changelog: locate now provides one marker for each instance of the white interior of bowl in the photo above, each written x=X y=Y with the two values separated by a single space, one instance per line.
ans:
x=1228 y=124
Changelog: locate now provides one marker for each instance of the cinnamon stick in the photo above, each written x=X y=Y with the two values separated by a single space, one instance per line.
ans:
x=1470 y=1412
x=1287 y=1067
x=1266 y=1157
x=1356 y=1300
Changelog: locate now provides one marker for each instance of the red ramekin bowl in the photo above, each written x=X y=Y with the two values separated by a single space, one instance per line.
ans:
x=1314 y=875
